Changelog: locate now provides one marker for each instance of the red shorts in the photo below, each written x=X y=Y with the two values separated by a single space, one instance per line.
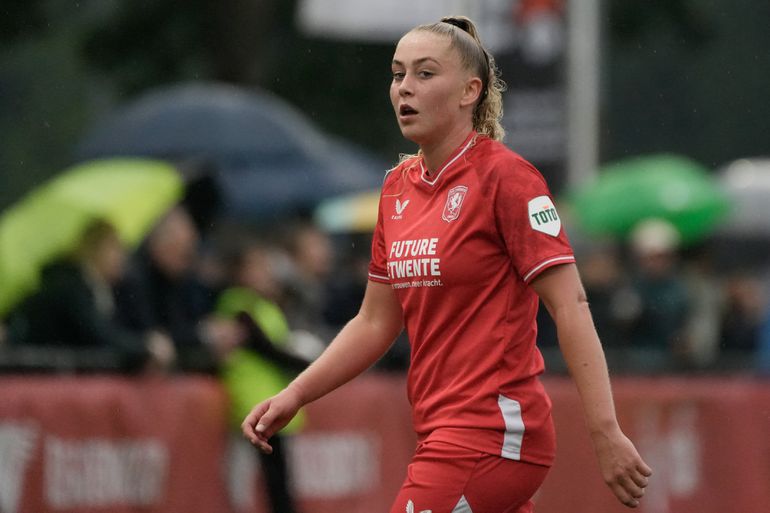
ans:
x=445 y=478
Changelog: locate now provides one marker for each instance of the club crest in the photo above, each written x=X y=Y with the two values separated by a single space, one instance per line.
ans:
x=454 y=203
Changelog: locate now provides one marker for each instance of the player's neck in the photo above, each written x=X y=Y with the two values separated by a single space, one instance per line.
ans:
x=434 y=155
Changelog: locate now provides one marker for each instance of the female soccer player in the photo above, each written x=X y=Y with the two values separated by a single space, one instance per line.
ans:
x=466 y=241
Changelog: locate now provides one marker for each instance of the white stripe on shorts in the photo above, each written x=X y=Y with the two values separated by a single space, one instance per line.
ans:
x=462 y=506
x=514 y=427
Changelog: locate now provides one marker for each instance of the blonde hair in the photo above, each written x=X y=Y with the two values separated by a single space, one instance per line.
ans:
x=93 y=236
x=464 y=38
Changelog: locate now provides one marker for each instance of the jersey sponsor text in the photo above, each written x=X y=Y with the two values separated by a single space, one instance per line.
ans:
x=415 y=258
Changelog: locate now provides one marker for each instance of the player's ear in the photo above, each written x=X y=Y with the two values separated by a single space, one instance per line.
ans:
x=472 y=91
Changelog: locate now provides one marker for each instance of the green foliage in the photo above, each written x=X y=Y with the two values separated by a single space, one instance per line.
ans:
x=21 y=18
x=144 y=43
x=686 y=76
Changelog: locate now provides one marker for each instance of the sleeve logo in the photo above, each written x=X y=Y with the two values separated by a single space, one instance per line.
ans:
x=543 y=217
x=454 y=203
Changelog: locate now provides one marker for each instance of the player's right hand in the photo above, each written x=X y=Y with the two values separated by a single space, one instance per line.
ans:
x=269 y=417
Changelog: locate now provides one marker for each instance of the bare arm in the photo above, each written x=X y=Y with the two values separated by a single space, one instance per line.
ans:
x=360 y=343
x=622 y=468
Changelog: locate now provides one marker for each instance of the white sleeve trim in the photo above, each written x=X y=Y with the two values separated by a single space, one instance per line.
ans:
x=534 y=270
x=377 y=276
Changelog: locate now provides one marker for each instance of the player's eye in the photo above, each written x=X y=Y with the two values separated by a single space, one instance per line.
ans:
x=425 y=74
x=398 y=76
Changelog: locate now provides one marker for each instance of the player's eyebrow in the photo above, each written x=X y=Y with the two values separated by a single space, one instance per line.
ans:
x=419 y=61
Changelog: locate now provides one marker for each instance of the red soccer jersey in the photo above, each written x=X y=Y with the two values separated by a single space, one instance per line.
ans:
x=459 y=249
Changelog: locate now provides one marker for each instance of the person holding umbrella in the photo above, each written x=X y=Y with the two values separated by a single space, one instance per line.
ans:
x=162 y=291
x=65 y=241
x=75 y=308
x=467 y=241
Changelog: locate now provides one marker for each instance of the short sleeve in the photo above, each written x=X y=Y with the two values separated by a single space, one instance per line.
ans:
x=378 y=265
x=528 y=221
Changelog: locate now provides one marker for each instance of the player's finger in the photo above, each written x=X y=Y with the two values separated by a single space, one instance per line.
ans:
x=248 y=431
x=257 y=439
x=638 y=478
x=263 y=446
x=248 y=426
x=634 y=490
x=623 y=496
x=644 y=469
x=264 y=422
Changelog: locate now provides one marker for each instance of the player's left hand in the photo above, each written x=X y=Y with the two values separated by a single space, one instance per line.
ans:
x=622 y=468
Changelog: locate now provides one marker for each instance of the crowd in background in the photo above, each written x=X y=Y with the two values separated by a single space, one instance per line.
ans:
x=660 y=307
x=169 y=305
x=185 y=300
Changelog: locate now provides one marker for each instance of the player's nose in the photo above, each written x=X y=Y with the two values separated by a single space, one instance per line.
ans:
x=405 y=87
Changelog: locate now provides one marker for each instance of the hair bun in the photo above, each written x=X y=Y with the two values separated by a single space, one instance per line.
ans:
x=460 y=22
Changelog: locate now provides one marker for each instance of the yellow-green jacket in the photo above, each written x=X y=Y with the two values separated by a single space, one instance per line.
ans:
x=249 y=377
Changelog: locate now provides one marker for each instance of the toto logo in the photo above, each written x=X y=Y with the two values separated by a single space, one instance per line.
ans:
x=543 y=217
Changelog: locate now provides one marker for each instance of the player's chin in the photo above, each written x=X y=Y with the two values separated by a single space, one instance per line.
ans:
x=411 y=132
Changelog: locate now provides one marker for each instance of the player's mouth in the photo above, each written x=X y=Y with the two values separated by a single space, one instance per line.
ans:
x=406 y=111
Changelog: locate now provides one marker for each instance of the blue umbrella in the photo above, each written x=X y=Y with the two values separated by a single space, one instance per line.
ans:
x=268 y=157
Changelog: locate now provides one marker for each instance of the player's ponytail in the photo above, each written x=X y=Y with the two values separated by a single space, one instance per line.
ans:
x=465 y=39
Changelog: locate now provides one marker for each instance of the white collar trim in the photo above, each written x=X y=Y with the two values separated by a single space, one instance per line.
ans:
x=438 y=175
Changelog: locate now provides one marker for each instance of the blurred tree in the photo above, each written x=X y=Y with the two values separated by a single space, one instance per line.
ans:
x=66 y=63
x=44 y=91
x=252 y=43
x=144 y=43
x=631 y=18
x=687 y=76
x=21 y=18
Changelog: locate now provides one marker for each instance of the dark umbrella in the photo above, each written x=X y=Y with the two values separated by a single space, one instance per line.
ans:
x=267 y=158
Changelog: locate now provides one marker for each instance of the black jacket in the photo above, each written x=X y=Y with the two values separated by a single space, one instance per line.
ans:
x=64 y=313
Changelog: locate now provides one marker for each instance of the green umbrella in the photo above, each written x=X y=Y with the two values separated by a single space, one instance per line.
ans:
x=130 y=193
x=669 y=187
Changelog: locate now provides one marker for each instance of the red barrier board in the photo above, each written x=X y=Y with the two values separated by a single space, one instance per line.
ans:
x=97 y=444
x=91 y=444
x=707 y=439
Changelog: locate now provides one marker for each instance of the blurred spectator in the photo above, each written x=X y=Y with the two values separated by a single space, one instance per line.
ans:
x=706 y=294
x=606 y=288
x=763 y=353
x=162 y=293
x=658 y=328
x=312 y=258
x=263 y=366
x=75 y=305
x=743 y=317
x=351 y=275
